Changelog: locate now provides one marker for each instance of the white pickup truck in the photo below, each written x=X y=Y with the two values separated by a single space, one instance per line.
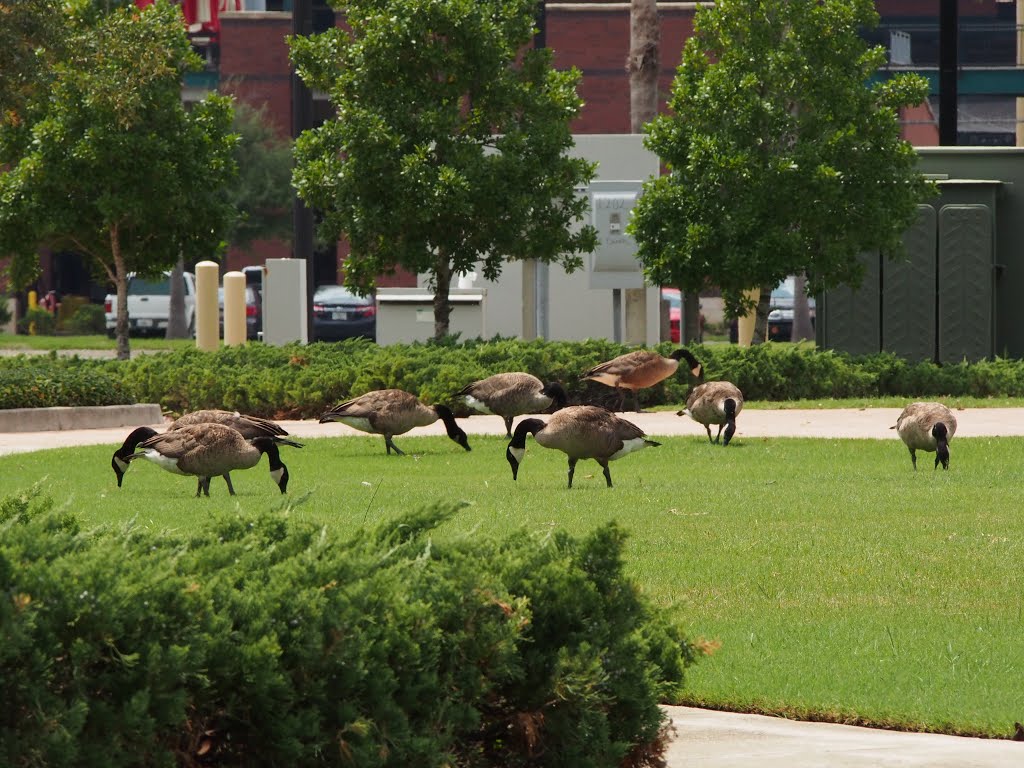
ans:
x=149 y=305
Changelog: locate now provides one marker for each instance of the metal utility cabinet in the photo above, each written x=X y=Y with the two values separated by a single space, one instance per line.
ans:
x=953 y=297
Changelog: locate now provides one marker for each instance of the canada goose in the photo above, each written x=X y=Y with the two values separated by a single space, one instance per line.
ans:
x=638 y=370
x=206 y=450
x=927 y=427
x=580 y=432
x=391 y=412
x=713 y=402
x=248 y=426
x=513 y=394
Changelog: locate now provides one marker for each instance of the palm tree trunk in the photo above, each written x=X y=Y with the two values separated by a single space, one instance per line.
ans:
x=643 y=66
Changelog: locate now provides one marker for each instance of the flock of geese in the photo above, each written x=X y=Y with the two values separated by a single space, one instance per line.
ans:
x=212 y=443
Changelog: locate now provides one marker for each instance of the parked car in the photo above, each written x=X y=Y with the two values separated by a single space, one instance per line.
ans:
x=780 y=313
x=675 y=312
x=340 y=314
x=253 y=311
x=149 y=305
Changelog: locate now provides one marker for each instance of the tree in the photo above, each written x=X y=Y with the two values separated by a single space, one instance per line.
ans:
x=31 y=39
x=262 y=194
x=781 y=158
x=449 y=144
x=118 y=169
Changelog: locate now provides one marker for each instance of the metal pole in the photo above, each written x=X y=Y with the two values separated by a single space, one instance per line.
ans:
x=302 y=120
x=541 y=275
x=949 y=31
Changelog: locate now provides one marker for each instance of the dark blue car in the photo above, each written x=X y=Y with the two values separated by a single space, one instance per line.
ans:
x=340 y=314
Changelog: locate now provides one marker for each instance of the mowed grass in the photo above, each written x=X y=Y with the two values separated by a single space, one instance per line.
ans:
x=840 y=584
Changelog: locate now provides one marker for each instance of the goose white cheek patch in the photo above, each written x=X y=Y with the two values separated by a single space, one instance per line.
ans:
x=277 y=474
x=517 y=454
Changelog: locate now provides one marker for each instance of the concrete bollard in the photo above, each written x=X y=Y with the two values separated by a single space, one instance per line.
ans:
x=207 y=310
x=234 y=309
x=745 y=324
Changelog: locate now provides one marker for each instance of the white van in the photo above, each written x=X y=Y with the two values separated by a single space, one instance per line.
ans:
x=149 y=305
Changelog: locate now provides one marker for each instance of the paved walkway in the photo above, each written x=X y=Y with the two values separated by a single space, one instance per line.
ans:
x=706 y=738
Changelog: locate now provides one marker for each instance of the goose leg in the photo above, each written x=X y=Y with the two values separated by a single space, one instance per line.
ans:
x=708 y=428
x=508 y=426
x=227 y=479
x=636 y=400
x=204 y=486
x=719 y=435
x=913 y=458
x=391 y=446
x=607 y=473
x=622 y=400
x=572 y=470
x=199 y=487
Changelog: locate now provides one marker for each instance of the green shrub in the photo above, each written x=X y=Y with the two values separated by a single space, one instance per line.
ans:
x=303 y=381
x=262 y=641
x=5 y=311
x=88 y=319
x=49 y=381
x=39 y=321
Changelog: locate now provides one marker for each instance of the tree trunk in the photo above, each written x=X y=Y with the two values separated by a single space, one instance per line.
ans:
x=802 y=328
x=121 y=287
x=442 y=307
x=690 y=332
x=176 y=328
x=644 y=35
x=642 y=65
x=761 y=319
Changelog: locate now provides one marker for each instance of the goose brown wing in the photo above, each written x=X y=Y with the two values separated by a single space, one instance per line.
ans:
x=623 y=364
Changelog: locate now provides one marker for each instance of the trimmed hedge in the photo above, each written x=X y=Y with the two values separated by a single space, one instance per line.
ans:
x=29 y=381
x=303 y=381
x=263 y=641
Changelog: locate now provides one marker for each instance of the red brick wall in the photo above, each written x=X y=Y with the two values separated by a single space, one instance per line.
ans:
x=254 y=62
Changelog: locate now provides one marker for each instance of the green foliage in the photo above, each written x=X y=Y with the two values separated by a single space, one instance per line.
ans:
x=303 y=381
x=260 y=640
x=88 y=318
x=263 y=194
x=38 y=320
x=52 y=382
x=449 y=149
x=808 y=171
x=113 y=134
x=5 y=310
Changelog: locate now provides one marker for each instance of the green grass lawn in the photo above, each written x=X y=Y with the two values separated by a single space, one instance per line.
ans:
x=840 y=584
x=95 y=341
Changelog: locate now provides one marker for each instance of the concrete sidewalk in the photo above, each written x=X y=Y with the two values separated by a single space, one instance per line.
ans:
x=706 y=738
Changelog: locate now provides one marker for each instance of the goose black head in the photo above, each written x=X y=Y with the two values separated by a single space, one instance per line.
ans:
x=559 y=397
x=730 y=420
x=517 y=447
x=455 y=432
x=941 y=436
x=278 y=471
x=119 y=462
x=695 y=367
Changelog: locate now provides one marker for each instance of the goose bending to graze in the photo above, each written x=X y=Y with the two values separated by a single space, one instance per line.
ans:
x=391 y=412
x=927 y=427
x=513 y=394
x=639 y=370
x=580 y=432
x=208 y=450
x=248 y=426
x=714 y=402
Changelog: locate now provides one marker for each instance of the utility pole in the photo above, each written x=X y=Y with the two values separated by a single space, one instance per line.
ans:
x=302 y=120
x=949 y=33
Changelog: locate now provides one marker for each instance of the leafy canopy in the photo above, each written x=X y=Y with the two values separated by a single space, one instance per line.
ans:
x=117 y=164
x=781 y=158
x=449 y=141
